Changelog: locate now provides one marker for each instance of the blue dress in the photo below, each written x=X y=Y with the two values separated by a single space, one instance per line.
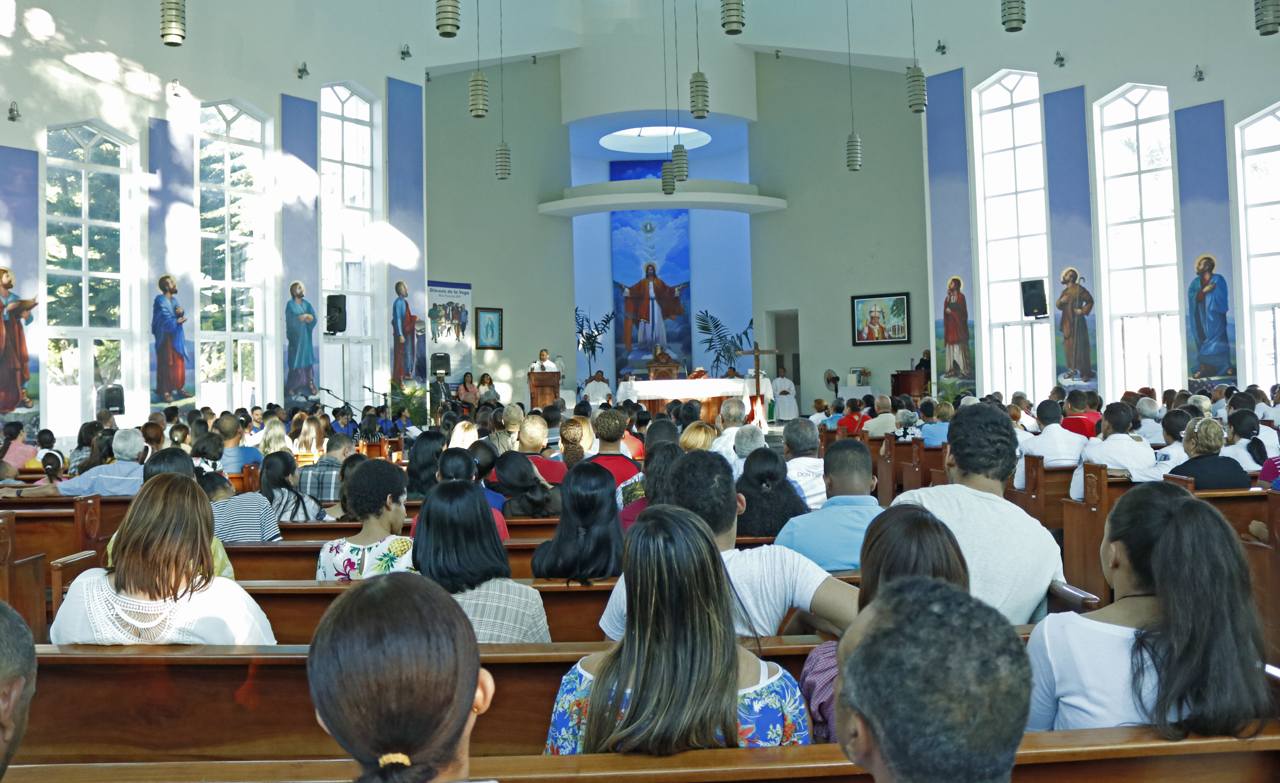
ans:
x=769 y=715
x=1207 y=325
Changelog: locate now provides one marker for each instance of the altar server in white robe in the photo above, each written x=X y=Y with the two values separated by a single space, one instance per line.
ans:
x=627 y=389
x=597 y=389
x=784 y=390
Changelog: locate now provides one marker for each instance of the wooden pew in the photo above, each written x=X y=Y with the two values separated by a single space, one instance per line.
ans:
x=209 y=703
x=1082 y=526
x=924 y=460
x=22 y=581
x=1120 y=755
x=57 y=527
x=249 y=479
x=1045 y=490
x=826 y=437
x=532 y=527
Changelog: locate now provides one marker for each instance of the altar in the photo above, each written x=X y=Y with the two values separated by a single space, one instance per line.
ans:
x=712 y=392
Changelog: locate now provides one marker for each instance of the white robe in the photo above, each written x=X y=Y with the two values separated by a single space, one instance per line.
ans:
x=626 y=391
x=597 y=392
x=785 y=405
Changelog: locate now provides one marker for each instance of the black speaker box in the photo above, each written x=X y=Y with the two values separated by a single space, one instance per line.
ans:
x=111 y=398
x=440 y=363
x=1034 y=304
x=335 y=314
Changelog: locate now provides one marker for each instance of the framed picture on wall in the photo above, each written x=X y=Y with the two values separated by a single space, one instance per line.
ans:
x=488 y=328
x=881 y=319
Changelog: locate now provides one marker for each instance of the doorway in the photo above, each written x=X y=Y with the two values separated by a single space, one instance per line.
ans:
x=785 y=327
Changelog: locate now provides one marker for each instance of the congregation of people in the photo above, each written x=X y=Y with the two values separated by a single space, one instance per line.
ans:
x=659 y=503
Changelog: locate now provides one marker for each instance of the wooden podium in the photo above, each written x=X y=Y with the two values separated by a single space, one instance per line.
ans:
x=910 y=382
x=544 y=389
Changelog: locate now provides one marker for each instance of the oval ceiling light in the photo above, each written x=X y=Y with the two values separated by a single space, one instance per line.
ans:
x=654 y=139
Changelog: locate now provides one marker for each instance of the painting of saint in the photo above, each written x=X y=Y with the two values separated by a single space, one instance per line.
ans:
x=955 y=332
x=649 y=302
x=403 y=329
x=167 y=319
x=1207 y=303
x=300 y=325
x=1076 y=303
x=15 y=361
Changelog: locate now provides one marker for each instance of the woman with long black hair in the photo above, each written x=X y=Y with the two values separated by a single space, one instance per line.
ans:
x=424 y=463
x=1168 y=651
x=527 y=494
x=587 y=543
x=279 y=485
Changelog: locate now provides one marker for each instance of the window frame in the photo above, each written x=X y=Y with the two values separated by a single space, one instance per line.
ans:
x=1252 y=335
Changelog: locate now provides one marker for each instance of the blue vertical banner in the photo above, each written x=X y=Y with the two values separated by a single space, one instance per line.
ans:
x=19 y=279
x=406 y=212
x=1206 y=265
x=651 y=300
x=300 y=242
x=951 y=267
x=172 y=239
x=1066 y=150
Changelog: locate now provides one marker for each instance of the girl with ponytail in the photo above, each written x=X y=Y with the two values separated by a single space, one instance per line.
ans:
x=1243 y=443
x=404 y=708
x=1181 y=646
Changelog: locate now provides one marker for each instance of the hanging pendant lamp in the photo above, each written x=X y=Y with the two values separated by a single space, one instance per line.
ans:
x=680 y=162
x=917 y=90
x=668 y=178
x=448 y=18
x=173 y=22
x=732 y=17
x=853 y=152
x=478 y=85
x=1013 y=15
x=853 y=144
x=1266 y=16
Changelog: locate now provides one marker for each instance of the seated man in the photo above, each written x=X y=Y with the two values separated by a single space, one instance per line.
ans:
x=884 y=422
x=17 y=681
x=832 y=535
x=733 y=415
x=234 y=455
x=917 y=668
x=597 y=390
x=1060 y=448
x=1080 y=419
x=532 y=441
x=804 y=467
x=320 y=480
x=1118 y=449
x=610 y=426
x=1011 y=557
x=116 y=479
x=1149 y=421
x=769 y=581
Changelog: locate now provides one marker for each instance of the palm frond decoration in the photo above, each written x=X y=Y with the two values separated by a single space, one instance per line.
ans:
x=590 y=335
x=718 y=341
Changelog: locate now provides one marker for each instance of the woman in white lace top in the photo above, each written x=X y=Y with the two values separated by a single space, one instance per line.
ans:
x=162 y=588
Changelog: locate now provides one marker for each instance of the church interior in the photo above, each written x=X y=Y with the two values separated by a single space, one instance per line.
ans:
x=406 y=212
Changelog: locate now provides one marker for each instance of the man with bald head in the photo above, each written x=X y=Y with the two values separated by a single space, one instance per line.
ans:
x=884 y=422
x=17 y=681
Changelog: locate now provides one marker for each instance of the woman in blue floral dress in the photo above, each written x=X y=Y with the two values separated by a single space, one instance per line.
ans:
x=678 y=679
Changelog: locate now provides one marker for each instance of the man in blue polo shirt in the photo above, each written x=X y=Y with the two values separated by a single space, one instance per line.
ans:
x=832 y=535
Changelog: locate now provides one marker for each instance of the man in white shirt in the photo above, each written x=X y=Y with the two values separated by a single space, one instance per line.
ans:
x=785 y=405
x=1268 y=436
x=884 y=422
x=1117 y=448
x=1028 y=421
x=733 y=414
x=769 y=581
x=597 y=390
x=544 y=363
x=1061 y=448
x=804 y=466
x=1011 y=557
x=1149 y=426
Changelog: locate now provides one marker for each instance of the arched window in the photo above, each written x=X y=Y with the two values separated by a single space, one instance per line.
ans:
x=86 y=336
x=1140 y=292
x=1013 y=246
x=1258 y=142
x=234 y=227
x=346 y=210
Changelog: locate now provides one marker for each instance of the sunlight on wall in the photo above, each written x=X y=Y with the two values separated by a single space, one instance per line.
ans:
x=383 y=242
x=38 y=23
x=8 y=17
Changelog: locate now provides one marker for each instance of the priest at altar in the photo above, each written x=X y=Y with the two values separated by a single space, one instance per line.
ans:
x=712 y=392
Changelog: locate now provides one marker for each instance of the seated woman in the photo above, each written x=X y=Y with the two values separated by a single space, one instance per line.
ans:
x=180 y=437
x=464 y=433
x=572 y=436
x=161 y=587
x=339 y=512
x=206 y=453
x=1243 y=444
x=527 y=494
x=274 y=438
x=904 y=540
x=1167 y=652
x=311 y=438
x=424 y=462
x=426 y=662
x=772 y=500
x=370 y=430
x=279 y=485
x=1203 y=440
x=375 y=496
x=679 y=640
x=458 y=465
x=698 y=436
x=587 y=543
x=457 y=546
x=485 y=458
x=658 y=459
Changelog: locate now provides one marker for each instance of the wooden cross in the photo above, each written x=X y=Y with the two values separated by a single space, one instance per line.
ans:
x=756 y=351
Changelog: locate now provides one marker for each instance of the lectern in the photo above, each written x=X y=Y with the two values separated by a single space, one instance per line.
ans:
x=544 y=388
x=909 y=382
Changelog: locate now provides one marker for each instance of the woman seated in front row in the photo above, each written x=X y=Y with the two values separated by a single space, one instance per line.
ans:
x=1180 y=648
x=161 y=588
x=635 y=698
x=1203 y=441
x=425 y=666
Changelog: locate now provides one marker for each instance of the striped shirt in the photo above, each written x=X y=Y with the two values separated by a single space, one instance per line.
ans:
x=246 y=518
x=505 y=612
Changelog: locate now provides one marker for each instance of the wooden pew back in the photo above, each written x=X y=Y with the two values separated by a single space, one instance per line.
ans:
x=1083 y=523
x=22 y=581
x=1045 y=490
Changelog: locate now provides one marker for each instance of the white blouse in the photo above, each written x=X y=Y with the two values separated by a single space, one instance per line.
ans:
x=221 y=613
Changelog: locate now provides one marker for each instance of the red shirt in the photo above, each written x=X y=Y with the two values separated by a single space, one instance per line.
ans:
x=1270 y=471
x=551 y=470
x=621 y=466
x=851 y=423
x=631 y=512
x=635 y=445
x=1085 y=424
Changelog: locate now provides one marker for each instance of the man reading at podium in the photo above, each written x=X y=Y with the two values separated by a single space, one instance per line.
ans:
x=544 y=363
